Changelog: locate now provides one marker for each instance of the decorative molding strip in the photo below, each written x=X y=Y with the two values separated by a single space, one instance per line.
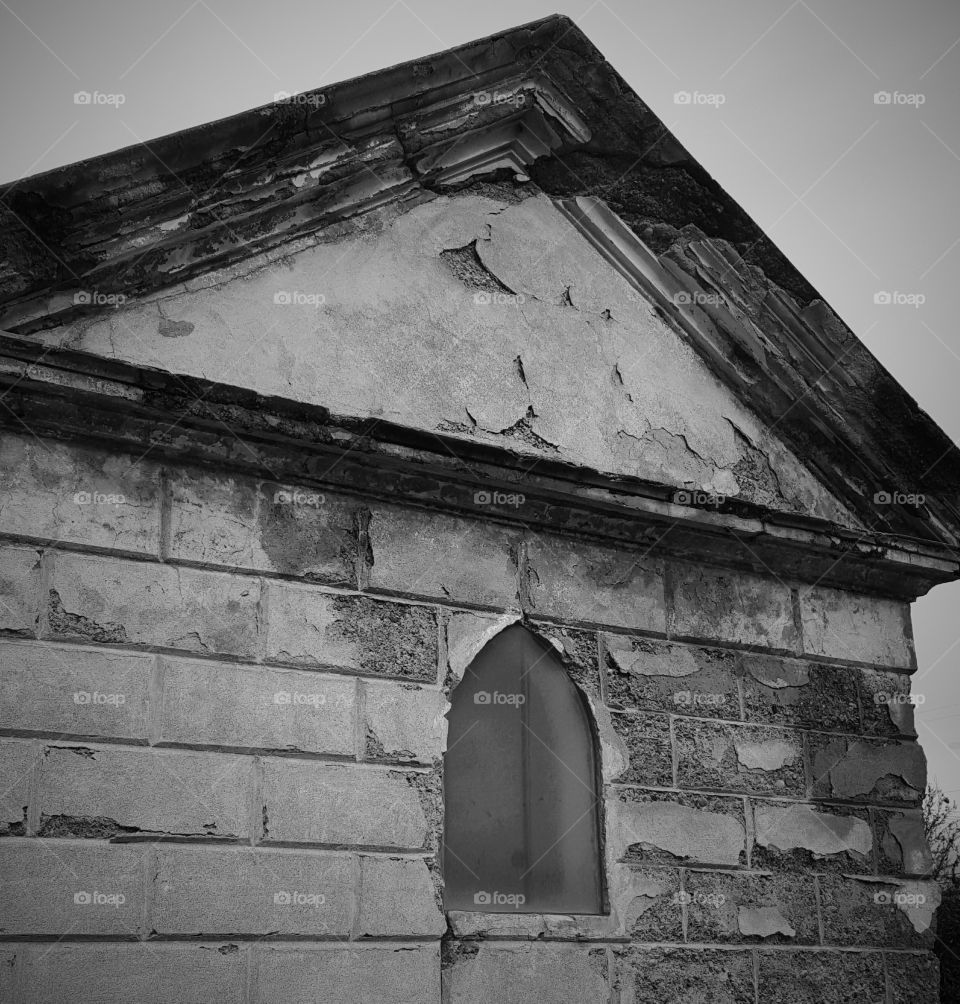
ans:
x=74 y=396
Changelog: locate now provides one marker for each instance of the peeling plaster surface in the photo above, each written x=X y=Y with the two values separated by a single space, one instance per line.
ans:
x=911 y=836
x=820 y=832
x=763 y=922
x=771 y=755
x=918 y=900
x=864 y=765
x=479 y=317
x=681 y=831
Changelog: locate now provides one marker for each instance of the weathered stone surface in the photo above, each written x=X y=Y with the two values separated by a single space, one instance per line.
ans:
x=676 y=975
x=403 y=722
x=647 y=741
x=578 y=653
x=480 y=972
x=874 y=913
x=154 y=973
x=888 y=705
x=650 y=902
x=318 y=803
x=696 y=829
x=8 y=975
x=308 y=627
x=140 y=603
x=902 y=843
x=739 y=758
x=19 y=589
x=827 y=977
x=737 y=908
x=721 y=605
x=650 y=675
x=68 y=690
x=581 y=582
x=846 y=626
x=220 y=704
x=111 y=790
x=398 y=899
x=382 y=974
x=913 y=978
x=76 y=887
x=79 y=495
x=781 y=691
x=242 y=523
x=17 y=762
x=238 y=890
x=794 y=836
x=443 y=557
x=868 y=769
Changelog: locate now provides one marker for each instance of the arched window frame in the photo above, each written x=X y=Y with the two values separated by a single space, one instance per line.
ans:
x=462 y=666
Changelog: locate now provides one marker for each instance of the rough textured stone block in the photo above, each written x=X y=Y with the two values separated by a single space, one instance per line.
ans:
x=826 y=977
x=739 y=758
x=578 y=653
x=398 y=899
x=318 y=803
x=72 y=887
x=794 y=692
x=480 y=972
x=308 y=627
x=873 y=914
x=431 y=554
x=692 y=829
x=575 y=581
x=732 y=606
x=870 y=629
x=17 y=762
x=8 y=974
x=19 y=589
x=140 y=603
x=222 y=891
x=67 y=690
x=913 y=978
x=888 y=705
x=868 y=769
x=152 y=973
x=651 y=675
x=742 y=908
x=795 y=836
x=646 y=739
x=218 y=704
x=280 y=528
x=652 y=907
x=403 y=722
x=902 y=843
x=678 y=976
x=383 y=974
x=109 y=791
x=72 y=493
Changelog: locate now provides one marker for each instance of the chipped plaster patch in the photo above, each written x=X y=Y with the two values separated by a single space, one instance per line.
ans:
x=763 y=922
x=771 y=754
x=800 y=826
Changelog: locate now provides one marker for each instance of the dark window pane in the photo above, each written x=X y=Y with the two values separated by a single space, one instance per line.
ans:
x=521 y=810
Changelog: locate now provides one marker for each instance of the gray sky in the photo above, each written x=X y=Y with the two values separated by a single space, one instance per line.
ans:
x=861 y=196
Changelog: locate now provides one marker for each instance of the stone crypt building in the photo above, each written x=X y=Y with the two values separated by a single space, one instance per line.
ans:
x=449 y=553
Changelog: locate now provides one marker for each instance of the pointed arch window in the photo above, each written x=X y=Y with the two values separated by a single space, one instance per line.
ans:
x=521 y=817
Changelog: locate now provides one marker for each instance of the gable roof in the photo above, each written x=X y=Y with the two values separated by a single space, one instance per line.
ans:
x=538 y=102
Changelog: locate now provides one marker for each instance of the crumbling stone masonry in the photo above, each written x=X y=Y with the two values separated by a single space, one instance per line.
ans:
x=249 y=544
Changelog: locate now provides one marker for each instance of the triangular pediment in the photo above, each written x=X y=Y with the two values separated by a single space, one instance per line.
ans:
x=450 y=265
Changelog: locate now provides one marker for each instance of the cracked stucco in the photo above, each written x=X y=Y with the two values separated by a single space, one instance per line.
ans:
x=470 y=314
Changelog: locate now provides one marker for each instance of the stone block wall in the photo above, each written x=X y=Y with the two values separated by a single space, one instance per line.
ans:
x=221 y=735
